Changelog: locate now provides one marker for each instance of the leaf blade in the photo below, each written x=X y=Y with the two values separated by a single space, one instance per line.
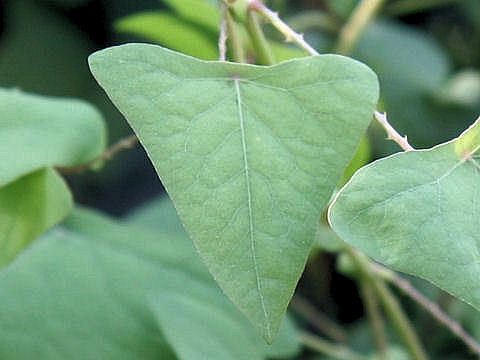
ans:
x=28 y=207
x=235 y=160
x=423 y=217
x=41 y=131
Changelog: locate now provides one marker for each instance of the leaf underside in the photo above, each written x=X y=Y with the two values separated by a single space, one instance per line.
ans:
x=419 y=212
x=249 y=155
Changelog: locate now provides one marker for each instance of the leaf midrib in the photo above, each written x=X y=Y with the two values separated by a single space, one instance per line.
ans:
x=249 y=203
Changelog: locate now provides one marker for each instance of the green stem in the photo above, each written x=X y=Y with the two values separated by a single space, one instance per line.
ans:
x=222 y=37
x=429 y=306
x=123 y=144
x=234 y=39
x=400 y=321
x=272 y=17
x=391 y=306
x=318 y=320
x=339 y=352
x=405 y=7
x=260 y=43
x=356 y=25
x=376 y=321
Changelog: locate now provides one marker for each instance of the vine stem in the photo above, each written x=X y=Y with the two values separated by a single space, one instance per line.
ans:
x=222 y=38
x=392 y=134
x=390 y=304
x=123 y=144
x=320 y=345
x=287 y=31
x=318 y=320
x=432 y=308
x=235 y=39
x=356 y=25
x=260 y=43
x=375 y=317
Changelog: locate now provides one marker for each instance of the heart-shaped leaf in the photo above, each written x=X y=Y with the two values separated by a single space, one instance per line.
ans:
x=419 y=212
x=249 y=155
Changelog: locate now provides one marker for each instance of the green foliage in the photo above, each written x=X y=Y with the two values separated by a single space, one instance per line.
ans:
x=247 y=181
x=462 y=89
x=251 y=156
x=362 y=157
x=192 y=29
x=200 y=12
x=342 y=8
x=409 y=84
x=167 y=29
x=35 y=136
x=423 y=217
x=39 y=131
x=76 y=276
x=31 y=30
x=28 y=207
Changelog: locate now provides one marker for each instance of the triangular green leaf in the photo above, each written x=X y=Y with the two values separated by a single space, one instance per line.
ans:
x=28 y=207
x=250 y=155
x=419 y=212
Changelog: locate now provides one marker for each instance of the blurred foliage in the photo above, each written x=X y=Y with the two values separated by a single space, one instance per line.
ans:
x=97 y=256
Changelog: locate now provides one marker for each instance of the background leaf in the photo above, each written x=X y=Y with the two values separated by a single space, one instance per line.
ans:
x=419 y=212
x=200 y=12
x=33 y=31
x=190 y=315
x=90 y=290
x=192 y=30
x=409 y=84
x=249 y=180
x=28 y=207
x=39 y=131
x=168 y=30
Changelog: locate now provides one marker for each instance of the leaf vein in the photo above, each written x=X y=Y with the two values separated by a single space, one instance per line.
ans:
x=250 y=205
